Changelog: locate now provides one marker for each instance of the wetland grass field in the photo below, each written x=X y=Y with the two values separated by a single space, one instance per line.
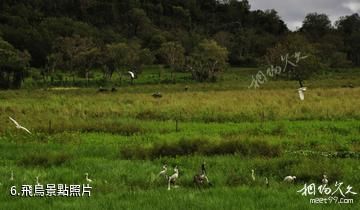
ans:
x=123 y=138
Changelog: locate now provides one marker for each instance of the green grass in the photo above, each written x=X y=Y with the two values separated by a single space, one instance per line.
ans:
x=122 y=140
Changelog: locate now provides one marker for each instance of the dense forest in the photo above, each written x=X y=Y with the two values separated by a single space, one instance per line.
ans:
x=46 y=37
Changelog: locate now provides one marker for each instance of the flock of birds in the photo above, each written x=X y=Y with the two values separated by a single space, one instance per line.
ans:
x=172 y=179
x=202 y=177
x=12 y=179
x=288 y=179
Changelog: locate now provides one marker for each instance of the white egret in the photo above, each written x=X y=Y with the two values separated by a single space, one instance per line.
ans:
x=37 y=180
x=87 y=178
x=301 y=93
x=325 y=180
x=253 y=174
x=132 y=74
x=163 y=172
x=266 y=182
x=18 y=126
x=289 y=179
x=173 y=178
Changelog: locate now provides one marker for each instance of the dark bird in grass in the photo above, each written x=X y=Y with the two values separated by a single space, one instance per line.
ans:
x=348 y=86
x=101 y=89
x=201 y=178
x=186 y=88
x=113 y=89
x=157 y=95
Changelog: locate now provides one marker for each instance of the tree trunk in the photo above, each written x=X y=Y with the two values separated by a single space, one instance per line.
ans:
x=17 y=79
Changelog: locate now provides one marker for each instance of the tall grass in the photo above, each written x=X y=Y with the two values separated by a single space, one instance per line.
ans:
x=86 y=109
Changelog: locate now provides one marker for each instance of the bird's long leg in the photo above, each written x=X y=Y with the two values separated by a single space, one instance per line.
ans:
x=299 y=79
x=300 y=82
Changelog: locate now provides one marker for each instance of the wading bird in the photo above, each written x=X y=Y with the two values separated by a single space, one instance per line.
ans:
x=266 y=182
x=172 y=179
x=200 y=178
x=157 y=95
x=87 y=178
x=37 y=180
x=163 y=172
x=301 y=93
x=18 y=126
x=253 y=174
x=289 y=179
x=12 y=176
x=132 y=75
x=325 y=180
x=302 y=89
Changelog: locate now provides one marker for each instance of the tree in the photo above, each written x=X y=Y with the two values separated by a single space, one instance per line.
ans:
x=331 y=51
x=123 y=57
x=138 y=20
x=75 y=51
x=53 y=61
x=207 y=61
x=315 y=26
x=349 y=28
x=86 y=59
x=173 y=54
x=348 y=24
x=13 y=64
x=295 y=50
x=138 y=57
